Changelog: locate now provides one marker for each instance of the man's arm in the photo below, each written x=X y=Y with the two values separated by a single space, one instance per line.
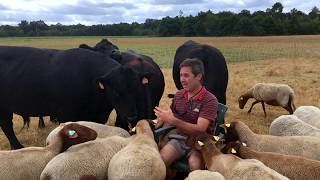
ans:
x=189 y=128
x=185 y=127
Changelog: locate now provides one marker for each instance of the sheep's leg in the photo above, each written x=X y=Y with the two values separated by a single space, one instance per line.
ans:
x=264 y=109
x=289 y=109
x=253 y=105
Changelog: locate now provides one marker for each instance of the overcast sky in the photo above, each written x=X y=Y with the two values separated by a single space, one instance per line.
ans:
x=90 y=12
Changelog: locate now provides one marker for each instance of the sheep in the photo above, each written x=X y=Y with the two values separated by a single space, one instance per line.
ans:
x=309 y=114
x=293 y=167
x=230 y=166
x=290 y=125
x=305 y=146
x=85 y=160
x=269 y=93
x=140 y=159
x=101 y=129
x=28 y=163
x=204 y=175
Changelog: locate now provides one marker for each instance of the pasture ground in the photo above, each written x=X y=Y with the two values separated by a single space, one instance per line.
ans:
x=293 y=60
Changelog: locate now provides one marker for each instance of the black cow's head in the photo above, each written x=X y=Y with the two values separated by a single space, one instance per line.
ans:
x=124 y=87
x=105 y=47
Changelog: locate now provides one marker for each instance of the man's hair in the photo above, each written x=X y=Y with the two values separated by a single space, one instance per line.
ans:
x=195 y=64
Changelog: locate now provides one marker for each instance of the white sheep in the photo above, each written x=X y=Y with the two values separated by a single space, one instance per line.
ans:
x=305 y=146
x=101 y=129
x=86 y=160
x=140 y=159
x=291 y=125
x=28 y=163
x=309 y=114
x=204 y=175
x=269 y=93
x=294 y=167
x=230 y=166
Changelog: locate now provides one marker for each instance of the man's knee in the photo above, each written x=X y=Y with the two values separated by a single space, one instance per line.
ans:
x=195 y=162
x=169 y=154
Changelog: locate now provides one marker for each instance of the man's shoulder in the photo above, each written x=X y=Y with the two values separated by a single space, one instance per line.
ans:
x=210 y=97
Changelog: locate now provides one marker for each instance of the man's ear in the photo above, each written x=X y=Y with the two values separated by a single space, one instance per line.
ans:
x=199 y=76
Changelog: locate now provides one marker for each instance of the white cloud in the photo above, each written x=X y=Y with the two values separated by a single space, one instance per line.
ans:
x=114 y=11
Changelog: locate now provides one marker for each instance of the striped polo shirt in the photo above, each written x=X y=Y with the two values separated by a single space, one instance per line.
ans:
x=203 y=105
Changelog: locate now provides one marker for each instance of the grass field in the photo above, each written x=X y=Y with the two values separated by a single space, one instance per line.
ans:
x=293 y=60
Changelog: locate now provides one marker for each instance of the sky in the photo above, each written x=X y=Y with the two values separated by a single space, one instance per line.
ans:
x=89 y=12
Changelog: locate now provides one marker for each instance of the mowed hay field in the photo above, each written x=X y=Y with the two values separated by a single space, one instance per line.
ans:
x=293 y=60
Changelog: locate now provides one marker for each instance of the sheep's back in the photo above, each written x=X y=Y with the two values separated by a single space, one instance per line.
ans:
x=309 y=114
x=290 y=125
x=204 y=175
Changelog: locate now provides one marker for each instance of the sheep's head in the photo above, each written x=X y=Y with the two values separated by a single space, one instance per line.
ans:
x=74 y=133
x=144 y=127
x=199 y=141
x=242 y=101
x=231 y=133
x=232 y=148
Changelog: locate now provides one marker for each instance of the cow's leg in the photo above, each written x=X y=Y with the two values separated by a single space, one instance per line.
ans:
x=26 y=122
x=54 y=119
x=7 y=127
x=253 y=105
x=122 y=123
x=41 y=124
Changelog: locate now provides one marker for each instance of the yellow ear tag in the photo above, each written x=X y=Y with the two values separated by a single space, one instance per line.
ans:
x=155 y=121
x=244 y=144
x=200 y=143
x=216 y=138
x=227 y=125
x=241 y=98
x=133 y=129
x=233 y=151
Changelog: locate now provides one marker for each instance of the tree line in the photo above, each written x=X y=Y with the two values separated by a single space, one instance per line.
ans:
x=272 y=21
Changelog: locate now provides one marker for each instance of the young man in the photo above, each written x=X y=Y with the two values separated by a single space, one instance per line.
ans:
x=193 y=111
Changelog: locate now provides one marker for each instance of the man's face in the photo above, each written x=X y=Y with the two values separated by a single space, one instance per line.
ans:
x=188 y=80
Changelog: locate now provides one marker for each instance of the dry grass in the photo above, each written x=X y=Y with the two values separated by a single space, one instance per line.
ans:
x=302 y=74
x=305 y=81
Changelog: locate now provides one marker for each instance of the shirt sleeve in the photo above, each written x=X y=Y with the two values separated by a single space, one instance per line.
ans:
x=209 y=110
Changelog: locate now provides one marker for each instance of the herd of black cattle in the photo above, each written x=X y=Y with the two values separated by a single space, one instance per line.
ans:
x=87 y=83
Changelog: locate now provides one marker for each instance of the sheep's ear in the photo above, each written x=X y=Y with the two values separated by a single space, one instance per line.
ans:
x=233 y=151
x=200 y=143
x=216 y=138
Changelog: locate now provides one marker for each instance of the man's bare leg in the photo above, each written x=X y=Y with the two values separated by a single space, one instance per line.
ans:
x=196 y=161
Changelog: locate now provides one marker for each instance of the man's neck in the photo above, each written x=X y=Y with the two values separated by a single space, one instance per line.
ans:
x=195 y=92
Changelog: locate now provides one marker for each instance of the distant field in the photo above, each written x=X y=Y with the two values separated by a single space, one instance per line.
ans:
x=235 y=49
x=293 y=60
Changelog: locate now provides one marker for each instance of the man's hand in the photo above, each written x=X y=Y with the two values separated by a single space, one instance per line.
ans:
x=166 y=116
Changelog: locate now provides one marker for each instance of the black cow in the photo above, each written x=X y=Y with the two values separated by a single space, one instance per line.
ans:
x=216 y=71
x=74 y=84
x=153 y=89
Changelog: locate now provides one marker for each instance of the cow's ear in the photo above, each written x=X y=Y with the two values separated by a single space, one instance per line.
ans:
x=85 y=46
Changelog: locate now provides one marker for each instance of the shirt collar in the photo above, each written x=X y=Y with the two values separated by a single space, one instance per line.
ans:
x=199 y=97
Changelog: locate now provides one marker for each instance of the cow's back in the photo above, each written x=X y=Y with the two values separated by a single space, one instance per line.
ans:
x=216 y=71
x=38 y=81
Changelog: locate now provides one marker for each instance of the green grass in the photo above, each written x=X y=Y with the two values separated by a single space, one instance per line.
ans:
x=162 y=50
